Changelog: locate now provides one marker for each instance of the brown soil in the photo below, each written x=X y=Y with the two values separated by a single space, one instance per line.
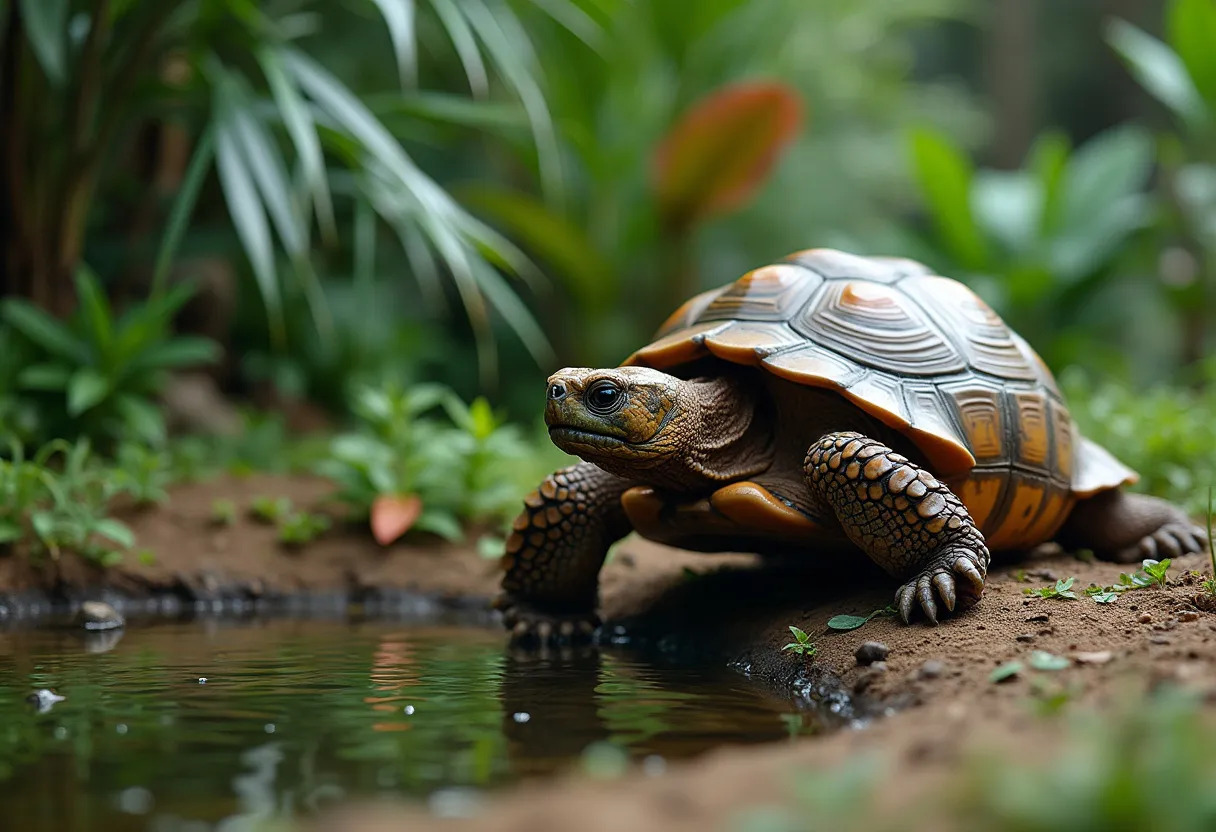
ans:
x=741 y=610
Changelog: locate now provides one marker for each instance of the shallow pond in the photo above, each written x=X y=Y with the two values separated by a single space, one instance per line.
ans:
x=221 y=725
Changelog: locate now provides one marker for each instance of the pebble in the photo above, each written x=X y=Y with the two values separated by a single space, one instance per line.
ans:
x=98 y=615
x=931 y=669
x=1160 y=640
x=1038 y=619
x=1190 y=615
x=1024 y=637
x=1145 y=618
x=871 y=651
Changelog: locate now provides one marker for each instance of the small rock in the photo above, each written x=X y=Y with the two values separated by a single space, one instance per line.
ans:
x=871 y=651
x=1025 y=637
x=98 y=615
x=1160 y=640
x=1047 y=631
x=1145 y=618
x=879 y=667
x=1038 y=619
x=931 y=669
x=1189 y=615
x=1099 y=657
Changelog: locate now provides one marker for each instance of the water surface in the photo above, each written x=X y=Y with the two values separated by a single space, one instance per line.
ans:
x=219 y=725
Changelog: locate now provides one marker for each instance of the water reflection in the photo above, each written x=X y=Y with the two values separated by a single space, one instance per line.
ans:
x=297 y=715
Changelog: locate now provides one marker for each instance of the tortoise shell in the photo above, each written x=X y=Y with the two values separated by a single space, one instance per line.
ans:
x=924 y=355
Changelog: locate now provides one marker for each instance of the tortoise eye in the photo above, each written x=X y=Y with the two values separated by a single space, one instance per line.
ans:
x=603 y=398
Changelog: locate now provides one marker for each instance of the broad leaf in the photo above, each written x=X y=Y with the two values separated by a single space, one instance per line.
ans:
x=392 y=515
x=48 y=377
x=1192 y=33
x=115 y=531
x=1009 y=206
x=180 y=352
x=95 y=308
x=86 y=389
x=719 y=153
x=142 y=417
x=945 y=176
x=1158 y=69
x=45 y=331
x=46 y=26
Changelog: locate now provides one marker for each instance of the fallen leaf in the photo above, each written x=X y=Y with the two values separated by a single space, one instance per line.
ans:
x=392 y=515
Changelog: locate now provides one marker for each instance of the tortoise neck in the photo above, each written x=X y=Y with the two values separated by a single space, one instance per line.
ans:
x=729 y=437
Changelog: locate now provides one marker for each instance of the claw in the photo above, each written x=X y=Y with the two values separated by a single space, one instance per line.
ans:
x=904 y=598
x=945 y=589
x=924 y=592
x=1148 y=547
x=969 y=571
x=1168 y=539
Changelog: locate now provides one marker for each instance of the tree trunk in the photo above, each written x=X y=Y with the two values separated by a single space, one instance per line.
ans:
x=1011 y=79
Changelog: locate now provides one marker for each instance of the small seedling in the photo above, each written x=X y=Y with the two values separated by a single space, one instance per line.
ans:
x=1042 y=660
x=1020 y=576
x=1006 y=672
x=302 y=527
x=844 y=623
x=802 y=644
x=146 y=557
x=223 y=512
x=1156 y=571
x=269 y=510
x=1062 y=590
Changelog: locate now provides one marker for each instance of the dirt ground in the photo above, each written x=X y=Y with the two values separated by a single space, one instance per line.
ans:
x=939 y=677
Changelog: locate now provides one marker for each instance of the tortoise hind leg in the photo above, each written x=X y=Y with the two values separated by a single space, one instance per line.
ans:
x=1125 y=528
x=905 y=519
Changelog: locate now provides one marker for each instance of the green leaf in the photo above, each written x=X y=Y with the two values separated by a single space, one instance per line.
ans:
x=1105 y=597
x=142 y=418
x=10 y=531
x=47 y=377
x=441 y=523
x=1006 y=671
x=945 y=176
x=1048 y=160
x=1192 y=32
x=549 y=237
x=115 y=531
x=185 y=351
x=247 y=210
x=1109 y=168
x=1008 y=205
x=461 y=34
x=845 y=623
x=399 y=18
x=96 y=310
x=719 y=152
x=46 y=26
x=1159 y=70
x=1042 y=660
x=183 y=208
x=43 y=330
x=86 y=389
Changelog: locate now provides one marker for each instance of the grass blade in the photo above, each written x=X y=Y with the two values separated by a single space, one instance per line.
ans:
x=183 y=209
x=458 y=30
x=399 y=18
x=303 y=132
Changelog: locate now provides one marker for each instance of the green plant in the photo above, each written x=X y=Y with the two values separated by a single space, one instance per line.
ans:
x=1210 y=584
x=298 y=528
x=1152 y=573
x=58 y=502
x=845 y=623
x=1157 y=570
x=802 y=644
x=143 y=472
x=270 y=510
x=223 y=512
x=244 y=91
x=1039 y=242
x=1062 y=590
x=97 y=374
x=421 y=459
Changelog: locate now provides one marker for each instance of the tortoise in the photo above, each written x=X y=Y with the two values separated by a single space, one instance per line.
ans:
x=834 y=404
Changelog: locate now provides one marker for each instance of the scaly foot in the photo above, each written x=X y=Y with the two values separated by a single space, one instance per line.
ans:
x=1172 y=540
x=955 y=578
x=529 y=625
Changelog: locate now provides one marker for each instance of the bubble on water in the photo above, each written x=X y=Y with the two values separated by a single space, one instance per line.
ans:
x=269 y=728
x=521 y=717
x=120 y=728
x=408 y=710
x=134 y=801
x=654 y=765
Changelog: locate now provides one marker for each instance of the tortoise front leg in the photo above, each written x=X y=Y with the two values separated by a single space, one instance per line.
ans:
x=905 y=519
x=553 y=556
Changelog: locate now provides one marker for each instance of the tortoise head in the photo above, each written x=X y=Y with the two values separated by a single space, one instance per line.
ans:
x=625 y=418
x=648 y=426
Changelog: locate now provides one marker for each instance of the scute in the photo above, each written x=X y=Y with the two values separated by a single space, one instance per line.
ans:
x=924 y=355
